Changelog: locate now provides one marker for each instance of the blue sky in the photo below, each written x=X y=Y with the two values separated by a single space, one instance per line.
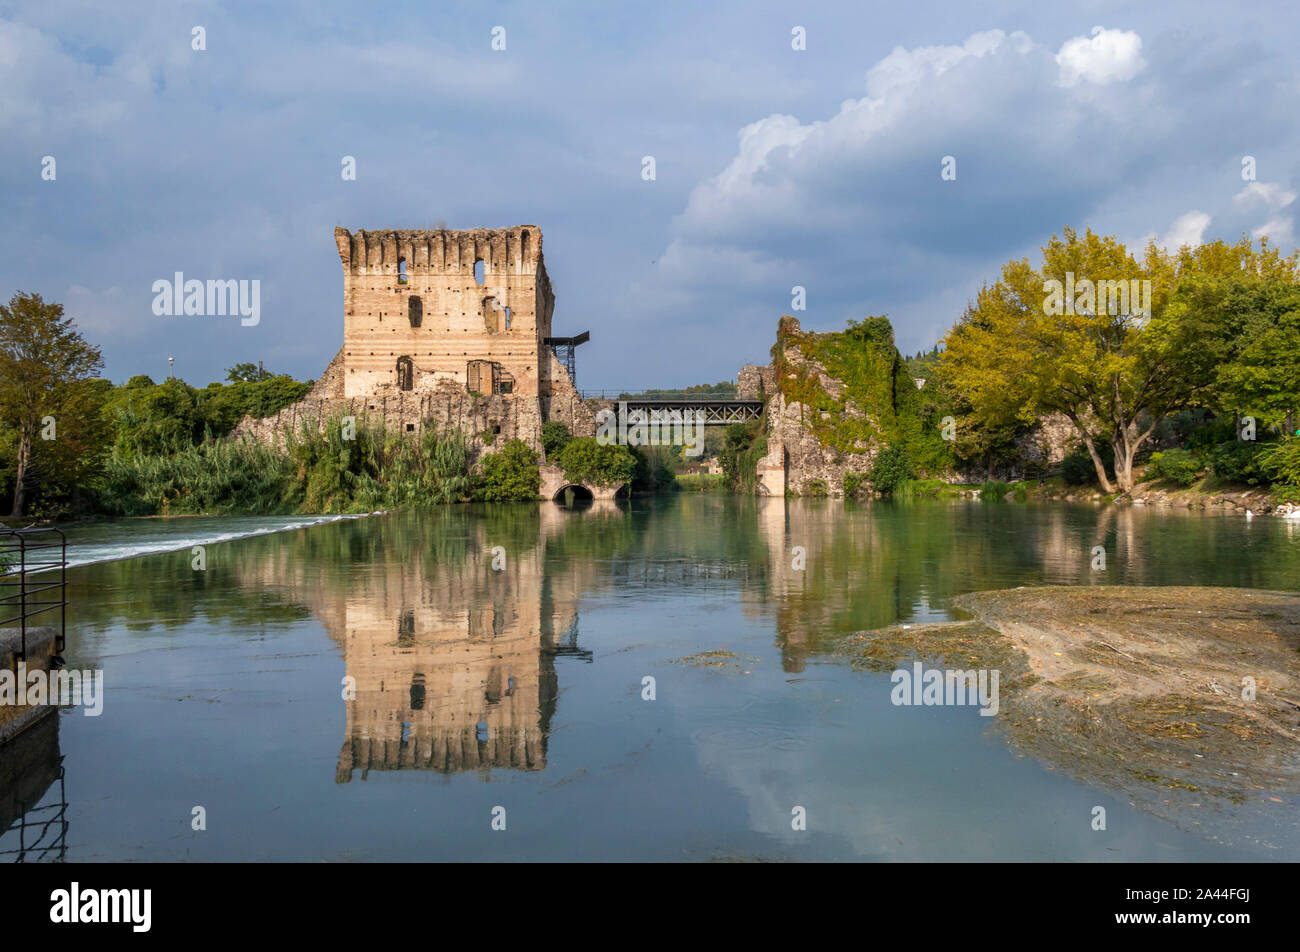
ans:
x=774 y=167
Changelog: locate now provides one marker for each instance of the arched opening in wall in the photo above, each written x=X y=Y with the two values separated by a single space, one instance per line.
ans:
x=479 y=277
x=405 y=373
x=401 y=270
x=523 y=252
x=415 y=310
x=573 y=496
x=490 y=312
x=506 y=311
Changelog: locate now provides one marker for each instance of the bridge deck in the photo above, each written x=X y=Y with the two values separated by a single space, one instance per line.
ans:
x=662 y=405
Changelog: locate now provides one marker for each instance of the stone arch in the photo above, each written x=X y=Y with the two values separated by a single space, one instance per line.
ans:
x=405 y=373
x=581 y=493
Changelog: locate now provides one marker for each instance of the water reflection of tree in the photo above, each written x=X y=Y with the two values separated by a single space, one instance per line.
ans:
x=871 y=565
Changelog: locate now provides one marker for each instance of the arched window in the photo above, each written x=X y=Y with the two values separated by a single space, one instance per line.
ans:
x=415 y=310
x=401 y=270
x=405 y=373
x=479 y=276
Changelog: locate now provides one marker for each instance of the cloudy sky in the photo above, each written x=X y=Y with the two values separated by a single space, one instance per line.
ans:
x=774 y=167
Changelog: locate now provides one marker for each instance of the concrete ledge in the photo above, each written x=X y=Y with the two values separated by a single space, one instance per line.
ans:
x=16 y=718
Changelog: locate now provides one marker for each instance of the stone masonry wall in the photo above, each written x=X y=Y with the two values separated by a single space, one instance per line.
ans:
x=441 y=317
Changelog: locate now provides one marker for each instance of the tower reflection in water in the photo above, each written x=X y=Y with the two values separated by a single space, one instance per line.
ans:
x=450 y=641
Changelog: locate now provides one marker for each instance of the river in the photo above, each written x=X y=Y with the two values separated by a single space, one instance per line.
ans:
x=651 y=680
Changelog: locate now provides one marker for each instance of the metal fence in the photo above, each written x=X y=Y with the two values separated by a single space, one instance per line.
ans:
x=24 y=553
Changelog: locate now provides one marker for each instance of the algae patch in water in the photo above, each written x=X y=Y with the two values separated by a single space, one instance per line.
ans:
x=1151 y=692
x=708 y=659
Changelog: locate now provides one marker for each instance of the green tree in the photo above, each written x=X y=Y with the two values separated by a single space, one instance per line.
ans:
x=1021 y=352
x=249 y=372
x=1251 y=339
x=586 y=460
x=43 y=362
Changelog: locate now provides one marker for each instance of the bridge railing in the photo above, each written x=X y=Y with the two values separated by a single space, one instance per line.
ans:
x=695 y=396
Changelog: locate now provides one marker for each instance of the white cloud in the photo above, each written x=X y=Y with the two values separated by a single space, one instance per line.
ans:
x=1270 y=194
x=1277 y=230
x=1109 y=56
x=1188 y=229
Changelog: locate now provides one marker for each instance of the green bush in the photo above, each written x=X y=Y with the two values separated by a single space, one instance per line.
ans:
x=1175 y=466
x=1215 y=433
x=213 y=478
x=1077 y=469
x=1238 y=461
x=892 y=468
x=586 y=460
x=654 y=469
x=1281 y=464
x=815 y=487
x=743 y=445
x=555 y=437
x=853 y=484
x=994 y=490
x=509 y=474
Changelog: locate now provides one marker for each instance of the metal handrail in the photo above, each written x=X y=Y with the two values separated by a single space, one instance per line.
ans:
x=678 y=396
x=15 y=576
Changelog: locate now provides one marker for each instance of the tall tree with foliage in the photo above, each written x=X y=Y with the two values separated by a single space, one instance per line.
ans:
x=43 y=359
x=1115 y=370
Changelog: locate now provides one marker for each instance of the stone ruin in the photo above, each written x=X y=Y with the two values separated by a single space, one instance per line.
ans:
x=443 y=328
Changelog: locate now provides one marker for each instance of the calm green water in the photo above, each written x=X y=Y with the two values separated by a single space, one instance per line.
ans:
x=521 y=687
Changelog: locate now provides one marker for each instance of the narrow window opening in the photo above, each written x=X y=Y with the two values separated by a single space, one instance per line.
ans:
x=417 y=692
x=415 y=310
x=478 y=272
x=405 y=373
x=401 y=270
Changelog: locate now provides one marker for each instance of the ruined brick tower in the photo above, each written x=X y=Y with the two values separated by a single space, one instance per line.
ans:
x=442 y=328
x=424 y=307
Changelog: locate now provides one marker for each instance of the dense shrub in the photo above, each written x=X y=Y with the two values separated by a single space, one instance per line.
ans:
x=654 y=468
x=315 y=471
x=853 y=484
x=216 y=477
x=892 y=468
x=1281 y=463
x=555 y=437
x=1238 y=461
x=1175 y=466
x=586 y=460
x=815 y=487
x=509 y=474
x=743 y=445
x=994 y=490
x=1214 y=433
x=1078 y=469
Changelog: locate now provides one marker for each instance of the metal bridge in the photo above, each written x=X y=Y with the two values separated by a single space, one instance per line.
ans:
x=668 y=405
